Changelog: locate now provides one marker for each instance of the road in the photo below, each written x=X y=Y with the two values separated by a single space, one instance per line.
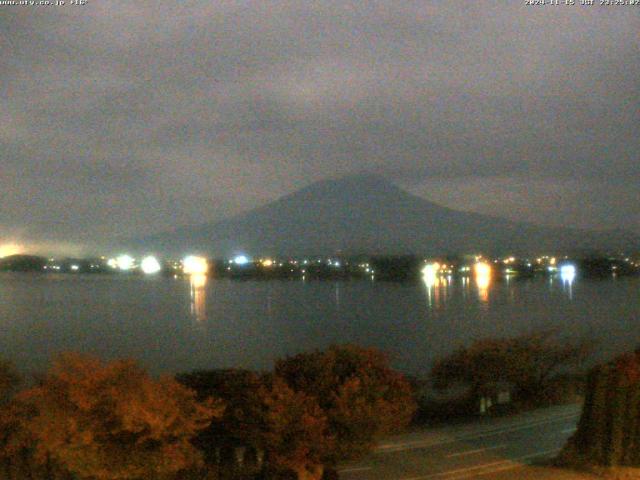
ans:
x=491 y=448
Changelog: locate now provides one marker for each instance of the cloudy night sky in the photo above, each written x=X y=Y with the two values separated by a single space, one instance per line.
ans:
x=119 y=119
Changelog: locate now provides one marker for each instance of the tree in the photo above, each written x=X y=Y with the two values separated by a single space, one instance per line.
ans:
x=238 y=389
x=527 y=362
x=113 y=421
x=292 y=428
x=608 y=432
x=266 y=414
x=313 y=411
x=362 y=397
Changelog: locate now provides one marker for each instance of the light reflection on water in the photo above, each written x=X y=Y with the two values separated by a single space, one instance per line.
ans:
x=198 y=294
x=568 y=276
x=432 y=284
x=483 y=275
x=183 y=324
x=439 y=288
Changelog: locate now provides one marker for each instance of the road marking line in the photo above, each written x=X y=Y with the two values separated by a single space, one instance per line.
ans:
x=514 y=428
x=499 y=429
x=477 y=450
x=469 y=471
x=458 y=470
x=386 y=448
x=353 y=469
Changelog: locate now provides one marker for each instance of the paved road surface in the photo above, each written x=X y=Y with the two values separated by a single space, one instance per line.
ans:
x=490 y=448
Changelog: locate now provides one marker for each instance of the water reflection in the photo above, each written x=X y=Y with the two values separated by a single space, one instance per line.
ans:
x=482 y=273
x=433 y=290
x=437 y=289
x=568 y=275
x=431 y=279
x=465 y=287
x=198 y=284
x=483 y=283
x=121 y=313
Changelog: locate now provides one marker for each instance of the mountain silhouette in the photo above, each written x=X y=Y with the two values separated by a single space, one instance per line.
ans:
x=365 y=214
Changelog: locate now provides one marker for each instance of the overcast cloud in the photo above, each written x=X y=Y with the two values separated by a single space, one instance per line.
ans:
x=124 y=118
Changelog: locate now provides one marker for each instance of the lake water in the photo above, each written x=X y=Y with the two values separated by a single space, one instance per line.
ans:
x=173 y=325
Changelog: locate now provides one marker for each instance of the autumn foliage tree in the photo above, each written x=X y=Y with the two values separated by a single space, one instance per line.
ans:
x=113 y=421
x=528 y=362
x=362 y=397
x=314 y=410
x=266 y=414
x=292 y=429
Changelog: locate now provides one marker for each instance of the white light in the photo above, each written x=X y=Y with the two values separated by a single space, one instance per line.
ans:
x=150 y=265
x=429 y=273
x=112 y=262
x=567 y=273
x=75 y=268
x=431 y=269
x=193 y=265
x=241 y=260
x=125 y=262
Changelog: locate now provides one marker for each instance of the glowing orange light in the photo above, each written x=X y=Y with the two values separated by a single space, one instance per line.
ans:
x=482 y=272
x=193 y=265
x=10 y=249
x=482 y=269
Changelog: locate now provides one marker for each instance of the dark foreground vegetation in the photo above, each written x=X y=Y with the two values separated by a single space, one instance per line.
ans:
x=501 y=375
x=85 y=419
x=89 y=420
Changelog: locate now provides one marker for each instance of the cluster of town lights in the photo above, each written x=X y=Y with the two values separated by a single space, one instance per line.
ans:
x=432 y=273
x=191 y=265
